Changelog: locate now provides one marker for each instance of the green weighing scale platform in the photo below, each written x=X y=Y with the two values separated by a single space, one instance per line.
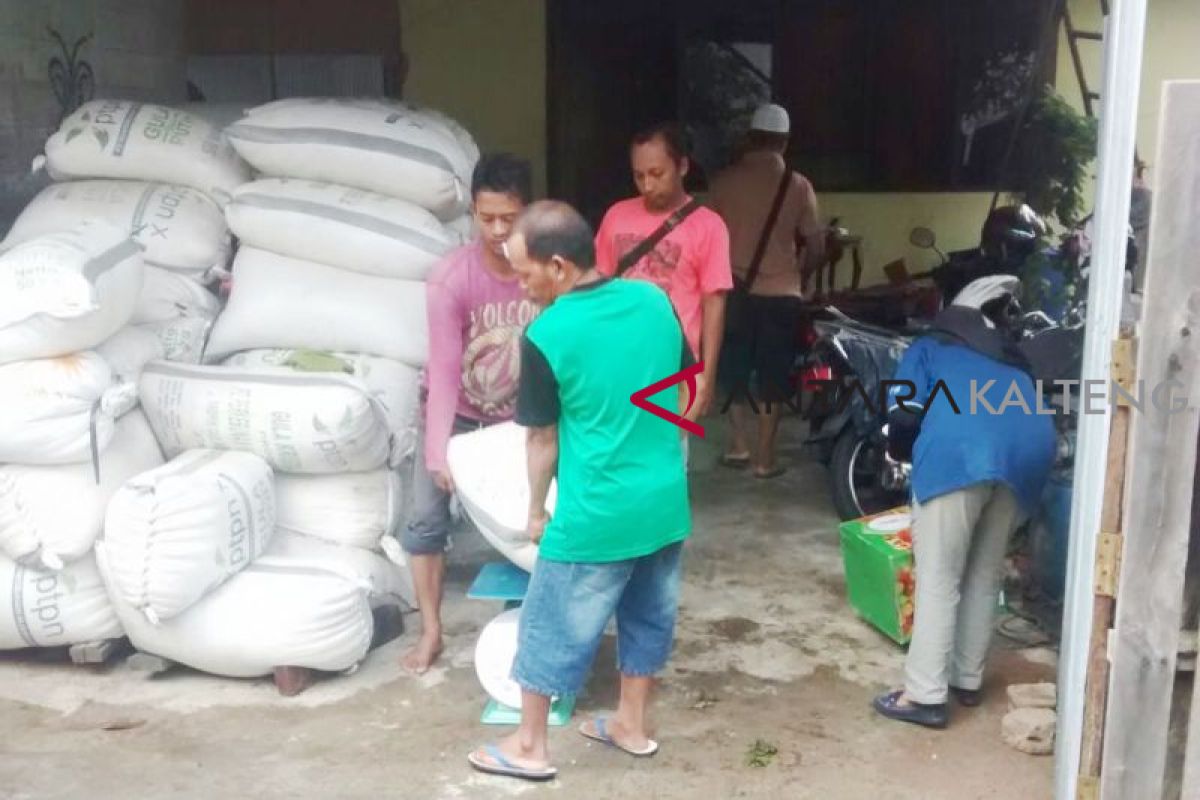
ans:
x=506 y=582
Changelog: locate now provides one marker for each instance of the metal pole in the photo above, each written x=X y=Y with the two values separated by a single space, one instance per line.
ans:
x=1124 y=34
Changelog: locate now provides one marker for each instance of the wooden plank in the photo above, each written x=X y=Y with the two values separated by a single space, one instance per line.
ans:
x=1191 y=755
x=1161 y=464
x=100 y=652
x=1096 y=691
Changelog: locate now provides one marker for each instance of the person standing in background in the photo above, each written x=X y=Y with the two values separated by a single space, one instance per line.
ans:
x=775 y=239
x=665 y=237
x=477 y=314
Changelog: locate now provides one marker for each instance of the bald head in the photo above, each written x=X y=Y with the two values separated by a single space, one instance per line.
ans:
x=552 y=228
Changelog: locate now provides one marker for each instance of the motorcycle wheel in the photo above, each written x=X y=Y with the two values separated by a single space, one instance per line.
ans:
x=855 y=470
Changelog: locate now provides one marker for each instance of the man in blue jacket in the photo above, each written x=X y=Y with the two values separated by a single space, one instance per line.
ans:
x=966 y=413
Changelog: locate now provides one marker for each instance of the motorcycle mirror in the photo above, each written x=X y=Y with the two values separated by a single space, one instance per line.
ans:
x=923 y=238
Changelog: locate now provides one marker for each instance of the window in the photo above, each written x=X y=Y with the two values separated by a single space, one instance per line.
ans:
x=884 y=95
x=257 y=50
x=907 y=95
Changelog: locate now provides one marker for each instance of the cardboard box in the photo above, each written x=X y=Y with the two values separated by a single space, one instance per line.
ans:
x=878 y=559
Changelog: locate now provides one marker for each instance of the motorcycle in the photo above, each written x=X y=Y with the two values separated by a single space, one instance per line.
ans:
x=848 y=364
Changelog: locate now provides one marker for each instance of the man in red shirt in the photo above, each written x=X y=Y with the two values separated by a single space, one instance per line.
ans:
x=691 y=263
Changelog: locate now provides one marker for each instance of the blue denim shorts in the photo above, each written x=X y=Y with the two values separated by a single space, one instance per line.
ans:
x=568 y=605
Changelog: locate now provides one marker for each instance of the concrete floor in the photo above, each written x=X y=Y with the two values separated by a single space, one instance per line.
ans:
x=767 y=650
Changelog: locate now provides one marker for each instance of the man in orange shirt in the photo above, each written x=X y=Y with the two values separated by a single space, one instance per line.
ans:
x=690 y=263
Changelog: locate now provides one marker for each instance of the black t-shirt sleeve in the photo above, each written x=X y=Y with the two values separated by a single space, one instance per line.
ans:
x=537 y=389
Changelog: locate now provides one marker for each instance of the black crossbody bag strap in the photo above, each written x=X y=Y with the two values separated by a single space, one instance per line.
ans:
x=650 y=242
x=772 y=218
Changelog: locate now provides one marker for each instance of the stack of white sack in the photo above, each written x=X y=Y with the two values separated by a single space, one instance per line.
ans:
x=491 y=481
x=162 y=175
x=337 y=239
x=297 y=605
x=200 y=574
x=346 y=225
x=242 y=592
x=70 y=433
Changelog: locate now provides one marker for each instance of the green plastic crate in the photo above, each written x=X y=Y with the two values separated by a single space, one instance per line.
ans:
x=877 y=554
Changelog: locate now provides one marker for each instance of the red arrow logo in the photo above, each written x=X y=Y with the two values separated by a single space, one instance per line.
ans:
x=641 y=398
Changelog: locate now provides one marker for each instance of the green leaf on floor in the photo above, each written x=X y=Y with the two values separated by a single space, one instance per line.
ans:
x=761 y=753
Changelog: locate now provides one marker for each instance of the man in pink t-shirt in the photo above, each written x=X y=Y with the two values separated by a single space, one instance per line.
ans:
x=477 y=313
x=691 y=263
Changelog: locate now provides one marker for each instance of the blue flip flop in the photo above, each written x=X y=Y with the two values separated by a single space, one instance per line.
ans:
x=601 y=735
x=930 y=716
x=505 y=768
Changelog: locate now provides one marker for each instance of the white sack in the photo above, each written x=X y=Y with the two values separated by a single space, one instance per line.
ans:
x=52 y=515
x=52 y=609
x=357 y=509
x=177 y=532
x=182 y=338
x=348 y=228
x=128 y=351
x=181 y=228
x=386 y=582
x=46 y=409
x=428 y=116
x=280 y=302
x=168 y=295
x=261 y=618
x=136 y=141
x=314 y=424
x=396 y=386
x=491 y=480
x=462 y=229
x=383 y=149
x=67 y=291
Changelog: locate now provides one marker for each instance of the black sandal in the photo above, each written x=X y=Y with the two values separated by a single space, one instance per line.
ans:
x=935 y=715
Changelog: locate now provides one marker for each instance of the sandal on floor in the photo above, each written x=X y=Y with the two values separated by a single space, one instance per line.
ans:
x=600 y=734
x=967 y=697
x=771 y=473
x=503 y=767
x=930 y=716
x=734 y=462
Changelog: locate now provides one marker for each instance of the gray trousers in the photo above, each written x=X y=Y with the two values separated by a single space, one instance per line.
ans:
x=428 y=531
x=959 y=543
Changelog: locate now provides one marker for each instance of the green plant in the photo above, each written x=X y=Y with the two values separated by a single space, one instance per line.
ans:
x=1055 y=149
x=761 y=753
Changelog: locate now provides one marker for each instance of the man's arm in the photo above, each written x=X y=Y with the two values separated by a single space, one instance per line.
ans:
x=712 y=331
x=443 y=371
x=716 y=278
x=541 y=453
x=907 y=398
x=810 y=233
x=538 y=408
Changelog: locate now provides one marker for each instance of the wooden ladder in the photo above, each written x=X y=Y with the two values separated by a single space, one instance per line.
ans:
x=1074 y=36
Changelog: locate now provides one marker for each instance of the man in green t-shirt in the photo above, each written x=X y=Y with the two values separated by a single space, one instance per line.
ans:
x=614 y=543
